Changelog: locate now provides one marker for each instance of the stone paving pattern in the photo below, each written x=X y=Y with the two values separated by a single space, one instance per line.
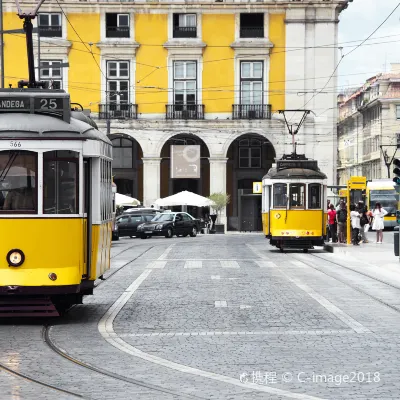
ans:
x=270 y=325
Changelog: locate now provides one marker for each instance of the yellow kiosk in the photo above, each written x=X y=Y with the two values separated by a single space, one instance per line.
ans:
x=356 y=191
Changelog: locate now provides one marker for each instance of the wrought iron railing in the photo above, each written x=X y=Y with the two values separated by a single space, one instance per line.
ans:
x=251 y=111
x=251 y=32
x=50 y=31
x=117 y=111
x=117 y=32
x=185 y=111
x=185 y=32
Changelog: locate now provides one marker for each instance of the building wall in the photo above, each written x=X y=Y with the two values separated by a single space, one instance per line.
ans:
x=293 y=66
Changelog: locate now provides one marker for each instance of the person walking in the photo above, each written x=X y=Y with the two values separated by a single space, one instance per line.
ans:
x=355 y=224
x=378 y=224
x=364 y=221
x=332 y=223
x=341 y=219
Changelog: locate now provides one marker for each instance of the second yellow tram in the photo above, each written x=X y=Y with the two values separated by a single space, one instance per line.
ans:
x=294 y=196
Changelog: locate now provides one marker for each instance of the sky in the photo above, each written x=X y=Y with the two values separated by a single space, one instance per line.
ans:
x=357 y=22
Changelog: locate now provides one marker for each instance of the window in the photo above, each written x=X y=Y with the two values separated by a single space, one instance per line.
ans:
x=296 y=195
x=117 y=25
x=60 y=182
x=397 y=112
x=314 y=195
x=18 y=172
x=185 y=82
x=148 y=218
x=118 y=86
x=280 y=195
x=251 y=82
x=251 y=25
x=185 y=26
x=122 y=153
x=51 y=72
x=249 y=153
x=50 y=25
x=186 y=217
x=105 y=190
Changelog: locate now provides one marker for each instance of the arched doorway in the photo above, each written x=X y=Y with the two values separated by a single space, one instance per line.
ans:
x=127 y=166
x=250 y=157
x=171 y=184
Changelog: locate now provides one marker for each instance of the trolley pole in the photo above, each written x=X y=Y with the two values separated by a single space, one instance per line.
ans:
x=2 y=44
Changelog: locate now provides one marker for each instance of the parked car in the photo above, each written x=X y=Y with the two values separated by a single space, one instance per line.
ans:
x=115 y=231
x=127 y=223
x=170 y=224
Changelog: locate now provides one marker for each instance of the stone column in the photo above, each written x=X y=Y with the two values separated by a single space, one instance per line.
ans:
x=218 y=180
x=151 y=180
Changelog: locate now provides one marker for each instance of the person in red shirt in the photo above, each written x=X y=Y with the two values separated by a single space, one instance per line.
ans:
x=332 y=223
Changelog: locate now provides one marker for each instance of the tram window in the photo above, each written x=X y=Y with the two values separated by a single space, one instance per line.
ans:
x=280 y=195
x=296 y=195
x=314 y=195
x=60 y=183
x=18 y=171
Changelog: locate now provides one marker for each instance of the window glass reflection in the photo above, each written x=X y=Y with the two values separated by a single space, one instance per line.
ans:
x=297 y=195
x=280 y=195
x=60 y=183
x=18 y=171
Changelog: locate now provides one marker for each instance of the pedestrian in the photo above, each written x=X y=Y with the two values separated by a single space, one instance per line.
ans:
x=332 y=223
x=341 y=219
x=378 y=224
x=355 y=224
x=364 y=222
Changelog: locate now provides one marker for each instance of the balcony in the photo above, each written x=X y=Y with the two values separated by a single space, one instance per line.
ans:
x=251 y=111
x=251 y=32
x=185 y=32
x=117 y=32
x=117 y=111
x=185 y=111
x=50 y=31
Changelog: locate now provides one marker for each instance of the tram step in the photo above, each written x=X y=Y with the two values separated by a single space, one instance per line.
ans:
x=27 y=307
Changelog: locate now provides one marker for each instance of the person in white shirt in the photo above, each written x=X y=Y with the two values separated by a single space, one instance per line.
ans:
x=355 y=224
x=378 y=223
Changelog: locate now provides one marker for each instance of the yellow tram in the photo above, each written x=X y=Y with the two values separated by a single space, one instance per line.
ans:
x=294 y=196
x=55 y=202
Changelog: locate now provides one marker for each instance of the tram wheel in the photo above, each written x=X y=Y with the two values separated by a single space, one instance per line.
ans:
x=281 y=249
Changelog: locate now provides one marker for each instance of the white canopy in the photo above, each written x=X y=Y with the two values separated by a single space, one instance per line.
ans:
x=184 y=198
x=121 y=199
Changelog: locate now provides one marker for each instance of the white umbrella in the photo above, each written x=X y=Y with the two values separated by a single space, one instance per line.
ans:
x=185 y=198
x=121 y=199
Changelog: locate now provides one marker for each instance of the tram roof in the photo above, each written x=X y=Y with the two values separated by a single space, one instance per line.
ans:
x=39 y=126
x=294 y=173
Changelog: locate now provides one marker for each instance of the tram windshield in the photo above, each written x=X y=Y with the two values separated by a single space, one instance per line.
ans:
x=60 y=182
x=388 y=199
x=18 y=171
x=280 y=195
x=296 y=195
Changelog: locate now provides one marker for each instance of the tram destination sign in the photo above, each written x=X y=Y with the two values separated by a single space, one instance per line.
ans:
x=24 y=104
x=15 y=104
x=304 y=164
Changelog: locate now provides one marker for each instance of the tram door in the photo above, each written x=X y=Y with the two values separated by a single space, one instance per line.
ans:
x=87 y=240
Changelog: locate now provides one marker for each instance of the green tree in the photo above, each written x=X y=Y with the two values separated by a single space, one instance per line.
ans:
x=221 y=200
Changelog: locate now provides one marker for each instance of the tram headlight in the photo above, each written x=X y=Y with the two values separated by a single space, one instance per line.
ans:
x=15 y=257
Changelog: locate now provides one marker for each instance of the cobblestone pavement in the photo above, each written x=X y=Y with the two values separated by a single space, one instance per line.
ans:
x=219 y=317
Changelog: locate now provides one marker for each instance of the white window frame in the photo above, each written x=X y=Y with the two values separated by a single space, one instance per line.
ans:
x=185 y=79
x=171 y=26
x=118 y=78
x=238 y=72
x=103 y=27
x=398 y=111
x=51 y=78
x=199 y=80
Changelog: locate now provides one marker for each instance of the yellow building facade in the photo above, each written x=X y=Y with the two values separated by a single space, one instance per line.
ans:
x=197 y=73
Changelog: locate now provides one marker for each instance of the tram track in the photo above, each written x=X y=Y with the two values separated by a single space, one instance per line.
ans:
x=347 y=283
x=63 y=353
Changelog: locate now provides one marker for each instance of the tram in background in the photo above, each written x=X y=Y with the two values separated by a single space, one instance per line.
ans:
x=55 y=203
x=294 y=198
x=384 y=191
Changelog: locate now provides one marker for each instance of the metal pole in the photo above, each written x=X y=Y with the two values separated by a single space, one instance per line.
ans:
x=28 y=27
x=2 y=44
x=38 y=37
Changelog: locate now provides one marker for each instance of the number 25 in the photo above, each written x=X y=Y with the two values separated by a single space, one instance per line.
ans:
x=48 y=103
